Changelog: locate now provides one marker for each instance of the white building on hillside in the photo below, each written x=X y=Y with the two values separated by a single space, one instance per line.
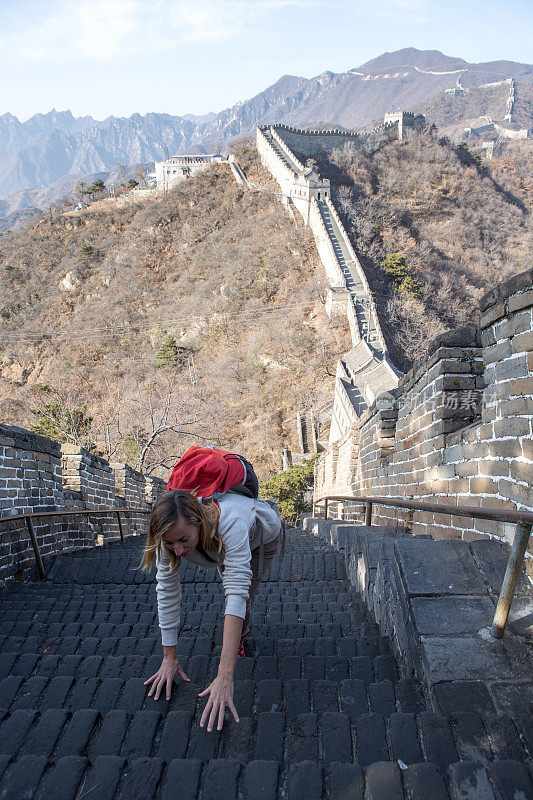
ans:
x=177 y=168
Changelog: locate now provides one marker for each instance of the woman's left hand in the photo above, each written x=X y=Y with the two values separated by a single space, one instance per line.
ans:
x=220 y=695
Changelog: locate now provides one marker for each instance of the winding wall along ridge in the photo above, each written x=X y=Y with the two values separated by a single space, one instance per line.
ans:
x=305 y=189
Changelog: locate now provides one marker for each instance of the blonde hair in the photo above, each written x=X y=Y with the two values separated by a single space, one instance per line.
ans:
x=169 y=509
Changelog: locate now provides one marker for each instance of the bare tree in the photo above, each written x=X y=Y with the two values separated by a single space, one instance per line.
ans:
x=109 y=424
x=62 y=416
x=159 y=416
x=166 y=410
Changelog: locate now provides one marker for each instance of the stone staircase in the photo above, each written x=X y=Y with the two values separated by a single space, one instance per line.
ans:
x=358 y=292
x=290 y=163
x=304 y=432
x=325 y=713
x=341 y=251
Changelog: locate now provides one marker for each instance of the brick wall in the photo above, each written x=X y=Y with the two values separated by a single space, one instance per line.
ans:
x=30 y=480
x=30 y=471
x=457 y=430
x=88 y=475
x=37 y=474
x=154 y=489
x=309 y=143
x=132 y=491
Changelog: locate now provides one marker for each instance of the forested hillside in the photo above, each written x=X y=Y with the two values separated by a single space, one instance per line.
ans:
x=205 y=304
x=200 y=313
x=435 y=228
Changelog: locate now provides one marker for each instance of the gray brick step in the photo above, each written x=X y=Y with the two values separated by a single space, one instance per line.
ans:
x=324 y=712
x=278 y=730
x=111 y=777
x=350 y=687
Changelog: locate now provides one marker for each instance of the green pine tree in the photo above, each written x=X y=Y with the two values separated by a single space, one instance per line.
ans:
x=86 y=250
x=97 y=186
x=398 y=271
x=288 y=488
x=168 y=354
x=56 y=421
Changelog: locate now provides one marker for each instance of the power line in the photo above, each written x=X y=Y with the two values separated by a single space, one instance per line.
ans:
x=89 y=333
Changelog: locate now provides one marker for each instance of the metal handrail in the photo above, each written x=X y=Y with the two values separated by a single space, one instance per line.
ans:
x=33 y=514
x=523 y=520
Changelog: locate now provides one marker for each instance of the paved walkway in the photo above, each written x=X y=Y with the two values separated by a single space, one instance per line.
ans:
x=323 y=710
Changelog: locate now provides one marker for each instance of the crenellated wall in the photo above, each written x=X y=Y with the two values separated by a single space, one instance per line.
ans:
x=273 y=161
x=309 y=142
x=37 y=474
x=458 y=428
x=90 y=477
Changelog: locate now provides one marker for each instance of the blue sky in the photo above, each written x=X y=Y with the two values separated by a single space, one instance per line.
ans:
x=103 y=57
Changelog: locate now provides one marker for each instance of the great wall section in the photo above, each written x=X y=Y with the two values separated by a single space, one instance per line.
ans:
x=366 y=369
x=37 y=475
x=456 y=430
x=370 y=673
x=459 y=423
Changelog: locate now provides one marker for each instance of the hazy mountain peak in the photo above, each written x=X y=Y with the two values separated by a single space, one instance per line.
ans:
x=411 y=57
x=32 y=158
x=9 y=117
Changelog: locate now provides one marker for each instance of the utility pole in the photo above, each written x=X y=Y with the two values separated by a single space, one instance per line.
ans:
x=192 y=370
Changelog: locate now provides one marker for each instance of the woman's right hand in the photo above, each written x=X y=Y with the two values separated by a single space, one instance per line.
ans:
x=165 y=676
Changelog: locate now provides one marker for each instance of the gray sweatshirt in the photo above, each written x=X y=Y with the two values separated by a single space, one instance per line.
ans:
x=240 y=535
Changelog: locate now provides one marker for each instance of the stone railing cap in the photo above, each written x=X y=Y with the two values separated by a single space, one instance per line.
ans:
x=27 y=440
x=518 y=283
x=121 y=465
x=72 y=449
x=464 y=336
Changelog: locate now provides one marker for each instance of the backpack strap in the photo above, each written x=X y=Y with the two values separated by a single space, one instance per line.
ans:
x=261 y=549
x=283 y=535
x=262 y=546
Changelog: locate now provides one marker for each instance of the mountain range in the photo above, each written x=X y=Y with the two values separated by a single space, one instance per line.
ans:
x=54 y=149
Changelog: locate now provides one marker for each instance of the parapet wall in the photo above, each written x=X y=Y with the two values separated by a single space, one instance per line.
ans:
x=310 y=142
x=458 y=429
x=325 y=247
x=286 y=149
x=37 y=474
x=273 y=162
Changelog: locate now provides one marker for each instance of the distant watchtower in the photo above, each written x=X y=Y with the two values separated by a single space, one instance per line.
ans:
x=405 y=119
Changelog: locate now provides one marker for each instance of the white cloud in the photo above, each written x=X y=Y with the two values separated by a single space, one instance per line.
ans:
x=99 y=30
x=412 y=11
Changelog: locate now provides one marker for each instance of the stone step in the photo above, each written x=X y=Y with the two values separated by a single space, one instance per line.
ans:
x=171 y=729
x=324 y=711
x=368 y=667
x=375 y=689
x=138 y=778
x=73 y=651
x=436 y=601
x=90 y=568
x=312 y=614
